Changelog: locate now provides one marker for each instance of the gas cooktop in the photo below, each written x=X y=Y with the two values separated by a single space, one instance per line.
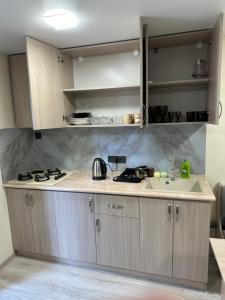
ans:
x=46 y=177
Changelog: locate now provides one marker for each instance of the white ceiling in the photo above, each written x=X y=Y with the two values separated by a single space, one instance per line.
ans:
x=101 y=20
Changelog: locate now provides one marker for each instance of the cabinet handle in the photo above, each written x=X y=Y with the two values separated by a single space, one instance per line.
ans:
x=115 y=206
x=177 y=211
x=221 y=109
x=98 y=225
x=169 y=212
x=91 y=204
x=31 y=199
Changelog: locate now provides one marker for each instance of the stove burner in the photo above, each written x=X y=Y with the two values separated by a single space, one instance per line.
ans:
x=41 y=178
x=24 y=177
x=60 y=176
x=34 y=172
x=53 y=172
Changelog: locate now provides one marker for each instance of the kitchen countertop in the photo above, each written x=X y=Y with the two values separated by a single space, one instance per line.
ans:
x=218 y=246
x=81 y=181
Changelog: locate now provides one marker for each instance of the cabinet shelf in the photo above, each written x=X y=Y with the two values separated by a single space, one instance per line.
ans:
x=177 y=123
x=178 y=83
x=103 y=126
x=102 y=89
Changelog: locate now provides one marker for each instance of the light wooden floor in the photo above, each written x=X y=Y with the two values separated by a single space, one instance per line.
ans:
x=25 y=279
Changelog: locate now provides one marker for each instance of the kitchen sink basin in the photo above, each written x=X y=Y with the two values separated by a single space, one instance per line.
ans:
x=178 y=185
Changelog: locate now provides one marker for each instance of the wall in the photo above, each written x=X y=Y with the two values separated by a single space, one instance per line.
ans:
x=215 y=142
x=15 y=155
x=76 y=148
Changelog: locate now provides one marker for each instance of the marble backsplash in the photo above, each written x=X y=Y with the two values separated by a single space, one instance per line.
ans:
x=76 y=148
x=72 y=148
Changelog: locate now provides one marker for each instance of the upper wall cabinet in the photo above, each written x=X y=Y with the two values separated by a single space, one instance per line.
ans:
x=6 y=103
x=46 y=79
x=21 y=94
x=182 y=75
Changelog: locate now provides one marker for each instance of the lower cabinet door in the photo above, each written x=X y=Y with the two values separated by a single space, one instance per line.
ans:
x=75 y=226
x=191 y=240
x=156 y=236
x=20 y=219
x=43 y=220
x=117 y=240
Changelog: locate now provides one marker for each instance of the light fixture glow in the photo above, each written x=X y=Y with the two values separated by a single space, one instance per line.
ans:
x=60 y=19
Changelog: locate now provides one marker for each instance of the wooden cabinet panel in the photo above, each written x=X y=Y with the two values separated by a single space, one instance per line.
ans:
x=191 y=240
x=115 y=205
x=45 y=85
x=215 y=54
x=43 y=220
x=21 y=93
x=75 y=226
x=7 y=119
x=117 y=240
x=156 y=236
x=20 y=220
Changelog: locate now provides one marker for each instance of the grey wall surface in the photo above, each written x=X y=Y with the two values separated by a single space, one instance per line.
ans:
x=75 y=148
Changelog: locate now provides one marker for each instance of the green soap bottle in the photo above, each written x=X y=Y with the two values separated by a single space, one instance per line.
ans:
x=185 y=170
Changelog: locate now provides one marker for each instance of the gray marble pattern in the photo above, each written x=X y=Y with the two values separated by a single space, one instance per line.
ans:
x=75 y=148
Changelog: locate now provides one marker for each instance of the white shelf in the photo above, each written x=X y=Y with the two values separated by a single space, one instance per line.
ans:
x=102 y=89
x=178 y=83
x=103 y=126
x=177 y=123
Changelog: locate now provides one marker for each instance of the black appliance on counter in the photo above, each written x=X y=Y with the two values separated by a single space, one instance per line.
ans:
x=133 y=175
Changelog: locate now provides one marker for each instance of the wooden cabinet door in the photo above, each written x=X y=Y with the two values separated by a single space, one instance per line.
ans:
x=156 y=236
x=191 y=240
x=43 y=220
x=20 y=219
x=45 y=87
x=117 y=240
x=21 y=93
x=7 y=119
x=215 y=54
x=75 y=226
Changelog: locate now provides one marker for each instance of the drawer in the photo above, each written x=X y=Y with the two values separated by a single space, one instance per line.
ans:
x=117 y=205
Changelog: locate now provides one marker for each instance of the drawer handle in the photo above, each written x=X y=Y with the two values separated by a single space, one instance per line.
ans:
x=115 y=206
x=91 y=204
x=98 y=225
x=169 y=212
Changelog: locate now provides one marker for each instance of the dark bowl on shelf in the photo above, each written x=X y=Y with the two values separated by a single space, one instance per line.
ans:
x=81 y=115
x=190 y=116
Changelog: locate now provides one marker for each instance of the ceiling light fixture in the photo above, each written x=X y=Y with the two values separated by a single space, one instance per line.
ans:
x=60 y=19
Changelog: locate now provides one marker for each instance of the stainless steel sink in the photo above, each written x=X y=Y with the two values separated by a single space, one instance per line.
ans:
x=178 y=185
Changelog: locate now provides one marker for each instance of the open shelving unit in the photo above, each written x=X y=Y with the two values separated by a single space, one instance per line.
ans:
x=178 y=83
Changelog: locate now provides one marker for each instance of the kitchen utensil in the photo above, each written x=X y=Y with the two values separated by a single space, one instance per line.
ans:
x=99 y=169
x=170 y=116
x=202 y=116
x=200 y=69
x=163 y=109
x=177 y=115
x=190 y=116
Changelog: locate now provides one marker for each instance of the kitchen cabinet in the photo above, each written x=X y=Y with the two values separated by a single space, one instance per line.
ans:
x=32 y=217
x=156 y=236
x=7 y=119
x=20 y=88
x=48 y=71
x=75 y=225
x=117 y=231
x=20 y=219
x=191 y=240
x=168 y=66
x=117 y=241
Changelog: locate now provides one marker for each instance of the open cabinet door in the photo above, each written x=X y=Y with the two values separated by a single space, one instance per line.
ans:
x=144 y=72
x=215 y=53
x=45 y=85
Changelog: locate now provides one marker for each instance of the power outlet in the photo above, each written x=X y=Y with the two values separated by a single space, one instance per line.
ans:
x=117 y=159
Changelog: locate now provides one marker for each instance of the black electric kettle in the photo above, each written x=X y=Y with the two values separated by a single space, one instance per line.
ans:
x=99 y=169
